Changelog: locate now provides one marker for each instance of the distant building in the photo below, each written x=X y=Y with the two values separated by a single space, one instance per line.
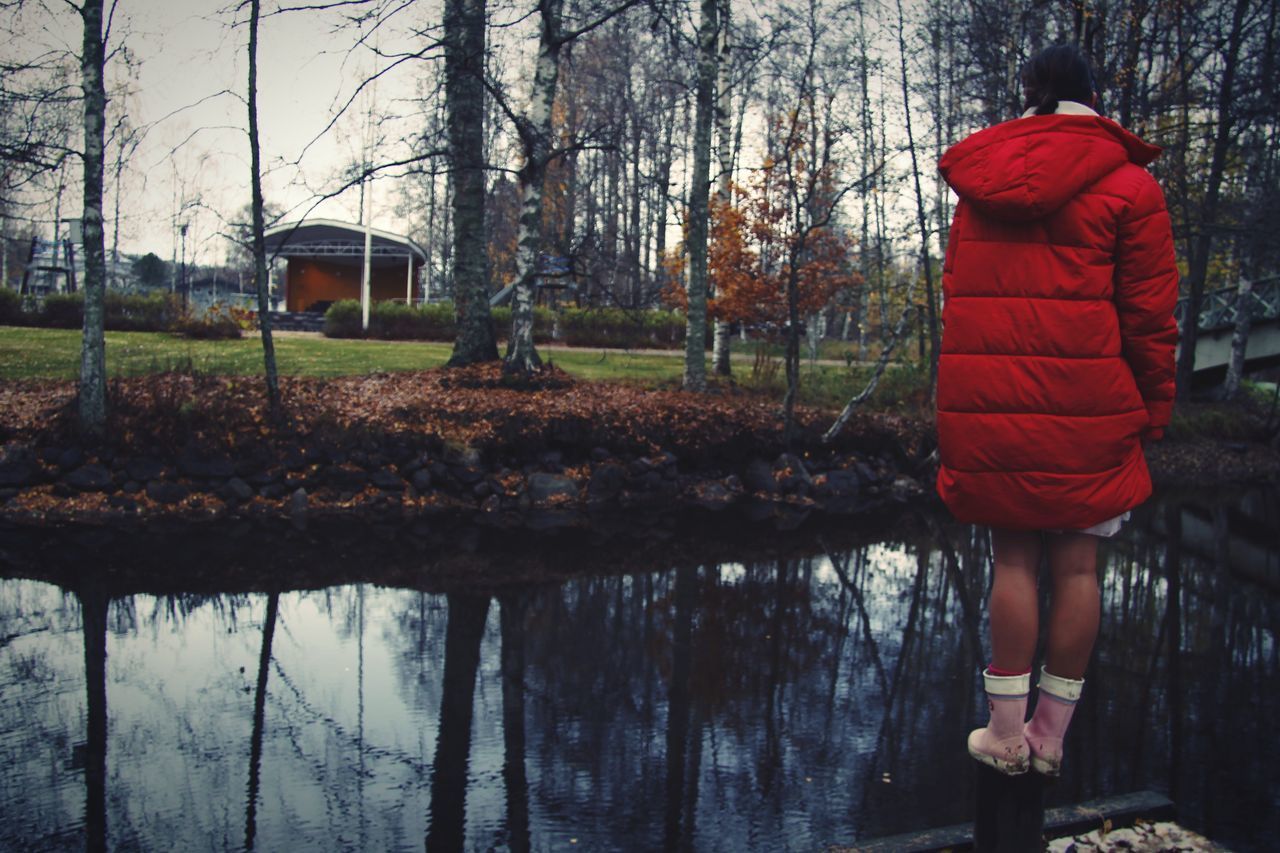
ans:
x=326 y=263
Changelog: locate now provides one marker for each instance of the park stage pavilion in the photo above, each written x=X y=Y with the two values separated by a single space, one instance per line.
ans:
x=326 y=263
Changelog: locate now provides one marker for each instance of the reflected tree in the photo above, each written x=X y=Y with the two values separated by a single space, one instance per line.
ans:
x=467 y=615
x=513 y=732
x=259 y=712
x=93 y=607
x=771 y=757
x=678 y=825
x=1173 y=630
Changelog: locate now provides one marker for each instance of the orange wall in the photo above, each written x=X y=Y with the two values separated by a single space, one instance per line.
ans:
x=308 y=281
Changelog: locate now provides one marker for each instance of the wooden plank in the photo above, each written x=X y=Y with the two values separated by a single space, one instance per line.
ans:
x=1009 y=812
x=1122 y=810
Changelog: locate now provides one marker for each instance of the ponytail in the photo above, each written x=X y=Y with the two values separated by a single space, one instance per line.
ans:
x=1058 y=73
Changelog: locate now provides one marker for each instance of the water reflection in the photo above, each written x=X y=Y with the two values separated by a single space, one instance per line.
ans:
x=787 y=701
x=259 y=712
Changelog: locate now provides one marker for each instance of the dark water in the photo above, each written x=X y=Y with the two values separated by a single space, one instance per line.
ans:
x=788 y=699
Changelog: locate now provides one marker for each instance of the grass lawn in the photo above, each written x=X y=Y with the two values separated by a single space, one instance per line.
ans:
x=828 y=350
x=30 y=353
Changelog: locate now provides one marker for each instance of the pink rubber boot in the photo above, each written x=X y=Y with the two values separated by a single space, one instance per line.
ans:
x=1058 y=697
x=1002 y=744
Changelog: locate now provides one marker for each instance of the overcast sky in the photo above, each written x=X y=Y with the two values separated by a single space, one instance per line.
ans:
x=195 y=154
x=191 y=80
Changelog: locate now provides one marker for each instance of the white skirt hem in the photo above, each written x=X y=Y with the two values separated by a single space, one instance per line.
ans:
x=1107 y=528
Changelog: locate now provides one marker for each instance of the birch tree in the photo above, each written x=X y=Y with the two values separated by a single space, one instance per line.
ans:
x=695 y=367
x=720 y=357
x=92 y=398
x=534 y=128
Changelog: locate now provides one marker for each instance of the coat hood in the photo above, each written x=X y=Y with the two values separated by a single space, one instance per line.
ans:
x=1029 y=167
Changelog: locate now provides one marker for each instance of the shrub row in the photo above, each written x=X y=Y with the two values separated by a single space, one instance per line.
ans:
x=615 y=327
x=594 y=327
x=11 y=313
x=391 y=321
x=157 y=312
x=220 y=322
x=395 y=321
x=125 y=312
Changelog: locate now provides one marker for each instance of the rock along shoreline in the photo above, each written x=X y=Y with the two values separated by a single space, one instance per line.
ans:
x=400 y=447
x=409 y=446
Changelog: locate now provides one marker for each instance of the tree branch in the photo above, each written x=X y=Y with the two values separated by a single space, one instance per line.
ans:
x=881 y=364
x=569 y=35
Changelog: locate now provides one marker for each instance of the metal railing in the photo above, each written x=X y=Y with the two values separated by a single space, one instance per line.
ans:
x=1219 y=308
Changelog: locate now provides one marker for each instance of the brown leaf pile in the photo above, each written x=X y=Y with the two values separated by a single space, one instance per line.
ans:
x=475 y=406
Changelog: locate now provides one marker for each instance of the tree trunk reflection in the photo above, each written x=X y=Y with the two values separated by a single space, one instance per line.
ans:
x=259 y=712
x=513 y=724
x=1173 y=616
x=93 y=608
x=678 y=828
x=467 y=615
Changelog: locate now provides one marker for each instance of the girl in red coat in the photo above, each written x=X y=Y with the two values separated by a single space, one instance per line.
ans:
x=1057 y=365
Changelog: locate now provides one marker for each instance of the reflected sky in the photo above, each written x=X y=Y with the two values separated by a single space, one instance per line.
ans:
x=783 y=703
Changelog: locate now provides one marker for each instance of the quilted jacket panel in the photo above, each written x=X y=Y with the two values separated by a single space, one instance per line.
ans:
x=1058 y=332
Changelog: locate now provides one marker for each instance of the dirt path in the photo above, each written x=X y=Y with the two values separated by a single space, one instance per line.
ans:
x=736 y=358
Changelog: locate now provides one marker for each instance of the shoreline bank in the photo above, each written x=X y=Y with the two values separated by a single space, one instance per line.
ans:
x=553 y=452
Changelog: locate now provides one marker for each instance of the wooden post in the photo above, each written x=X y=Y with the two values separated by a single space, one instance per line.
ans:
x=1009 y=817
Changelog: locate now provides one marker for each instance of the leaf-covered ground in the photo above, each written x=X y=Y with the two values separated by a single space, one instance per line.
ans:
x=474 y=406
x=53 y=354
x=478 y=408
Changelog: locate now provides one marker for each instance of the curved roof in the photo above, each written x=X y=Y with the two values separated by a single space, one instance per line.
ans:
x=334 y=240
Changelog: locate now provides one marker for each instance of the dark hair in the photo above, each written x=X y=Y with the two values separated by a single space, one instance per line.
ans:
x=1058 y=73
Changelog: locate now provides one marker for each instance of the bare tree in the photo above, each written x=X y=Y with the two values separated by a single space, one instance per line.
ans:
x=695 y=367
x=464 y=40
x=41 y=113
x=125 y=137
x=534 y=128
x=1225 y=135
x=720 y=358
x=258 y=238
x=931 y=310
x=92 y=399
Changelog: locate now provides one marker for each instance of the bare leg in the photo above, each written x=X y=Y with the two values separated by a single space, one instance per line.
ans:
x=1074 y=609
x=1014 y=607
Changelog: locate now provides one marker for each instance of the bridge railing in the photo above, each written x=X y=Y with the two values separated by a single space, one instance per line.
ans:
x=1219 y=308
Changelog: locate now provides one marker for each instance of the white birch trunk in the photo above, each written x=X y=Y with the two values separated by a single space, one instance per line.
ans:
x=724 y=138
x=92 y=403
x=695 y=368
x=1239 y=339
x=535 y=135
x=817 y=331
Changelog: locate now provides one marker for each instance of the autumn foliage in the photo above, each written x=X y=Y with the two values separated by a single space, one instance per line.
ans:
x=760 y=236
x=478 y=406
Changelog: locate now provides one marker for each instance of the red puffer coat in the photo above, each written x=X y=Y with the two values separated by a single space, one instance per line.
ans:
x=1058 y=339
